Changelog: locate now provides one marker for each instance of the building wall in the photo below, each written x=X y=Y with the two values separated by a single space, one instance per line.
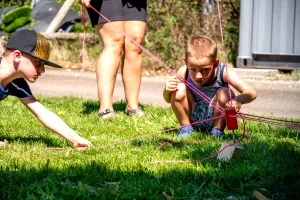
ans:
x=269 y=34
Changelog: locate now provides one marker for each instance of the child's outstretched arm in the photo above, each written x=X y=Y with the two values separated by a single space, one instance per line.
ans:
x=248 y=93
x=54 y=123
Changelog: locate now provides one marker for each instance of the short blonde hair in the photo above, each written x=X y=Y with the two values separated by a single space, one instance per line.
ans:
x=200 y=47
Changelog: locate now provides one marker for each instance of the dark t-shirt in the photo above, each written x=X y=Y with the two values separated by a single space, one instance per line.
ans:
x=18 y=87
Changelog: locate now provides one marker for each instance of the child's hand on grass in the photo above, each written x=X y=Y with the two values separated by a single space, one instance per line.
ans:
x=82 y=144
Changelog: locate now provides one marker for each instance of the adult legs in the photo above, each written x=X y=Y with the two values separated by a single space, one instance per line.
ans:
x=132 y=64
x=108 y=62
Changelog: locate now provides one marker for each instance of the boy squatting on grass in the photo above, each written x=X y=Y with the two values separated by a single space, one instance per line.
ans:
x=207 y=74
x=24 y=58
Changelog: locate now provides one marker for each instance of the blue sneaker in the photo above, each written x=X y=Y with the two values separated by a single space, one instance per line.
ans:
x=185 y=131
x=216 y=132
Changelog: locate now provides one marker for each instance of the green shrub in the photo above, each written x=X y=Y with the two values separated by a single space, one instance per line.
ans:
x=16 y=18
x=18 y=23
x=18 y=3
x=16 y=13
x=171 y=23
x=231 y=10
x=169 y=29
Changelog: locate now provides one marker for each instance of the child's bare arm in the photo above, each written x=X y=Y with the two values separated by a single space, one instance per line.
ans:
x=172 y=83
x=54 y=123
x=171 y=86
x=247 y=93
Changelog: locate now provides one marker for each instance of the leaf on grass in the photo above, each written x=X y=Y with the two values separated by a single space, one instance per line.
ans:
x=3 y=143
x=169 y=197
x=115 y=191
x=112 y=183
x=67 y=153
x=172 y=192
x=259 y=196
x=61 y=112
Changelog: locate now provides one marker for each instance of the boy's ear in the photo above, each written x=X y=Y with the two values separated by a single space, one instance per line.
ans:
x=216 y=63
x=185 y=62
x=17 y=55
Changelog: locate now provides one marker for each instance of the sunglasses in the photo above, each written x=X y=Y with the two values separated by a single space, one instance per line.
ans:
x=39 y=63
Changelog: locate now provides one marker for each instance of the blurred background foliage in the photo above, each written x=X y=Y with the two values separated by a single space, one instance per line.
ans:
x=7 y=3
x=172 y=22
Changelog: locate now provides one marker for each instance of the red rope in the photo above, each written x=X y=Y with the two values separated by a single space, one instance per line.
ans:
x=156 y=133
x=272 y=122
x=84 y=37
x=209 y=157
x=282 y=120
x=223 y=47
x=196 y=161
x=198 y=92
x=192 y=88
x=206 y=98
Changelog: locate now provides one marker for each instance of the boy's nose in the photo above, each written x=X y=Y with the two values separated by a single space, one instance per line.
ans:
x=198 y=75
x=41 y=69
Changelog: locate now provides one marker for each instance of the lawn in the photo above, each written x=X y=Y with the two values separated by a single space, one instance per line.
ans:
x=30 y=167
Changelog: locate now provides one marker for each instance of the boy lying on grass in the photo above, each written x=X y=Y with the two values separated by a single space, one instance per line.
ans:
x=24 y=58
x=208 y=75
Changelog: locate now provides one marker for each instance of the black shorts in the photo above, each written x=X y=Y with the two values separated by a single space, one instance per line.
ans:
x=118 y=10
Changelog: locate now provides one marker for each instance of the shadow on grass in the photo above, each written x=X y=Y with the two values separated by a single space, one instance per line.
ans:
x=93 y=181
x=49 y=142
x=271 y=168
x=91 y=106
x=278 y=144
x=97 y=180
x=274 y=165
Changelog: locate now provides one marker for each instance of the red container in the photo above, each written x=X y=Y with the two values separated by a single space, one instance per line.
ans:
x=230 y=116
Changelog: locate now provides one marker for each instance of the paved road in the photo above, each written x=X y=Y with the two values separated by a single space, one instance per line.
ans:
x=275 y=98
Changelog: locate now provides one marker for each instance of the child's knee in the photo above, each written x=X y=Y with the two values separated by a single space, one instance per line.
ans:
x=223 y=95
x=180 y=94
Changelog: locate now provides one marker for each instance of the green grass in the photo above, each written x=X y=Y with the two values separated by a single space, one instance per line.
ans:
x=28 y=170
x=296 y=74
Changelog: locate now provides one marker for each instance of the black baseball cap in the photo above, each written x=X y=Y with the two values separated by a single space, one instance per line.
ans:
x=33 y=44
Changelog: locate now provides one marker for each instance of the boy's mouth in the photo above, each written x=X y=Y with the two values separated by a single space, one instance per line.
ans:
x=199 y=81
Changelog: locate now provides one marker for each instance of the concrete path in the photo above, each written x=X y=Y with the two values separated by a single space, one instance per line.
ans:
x=275 y=98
